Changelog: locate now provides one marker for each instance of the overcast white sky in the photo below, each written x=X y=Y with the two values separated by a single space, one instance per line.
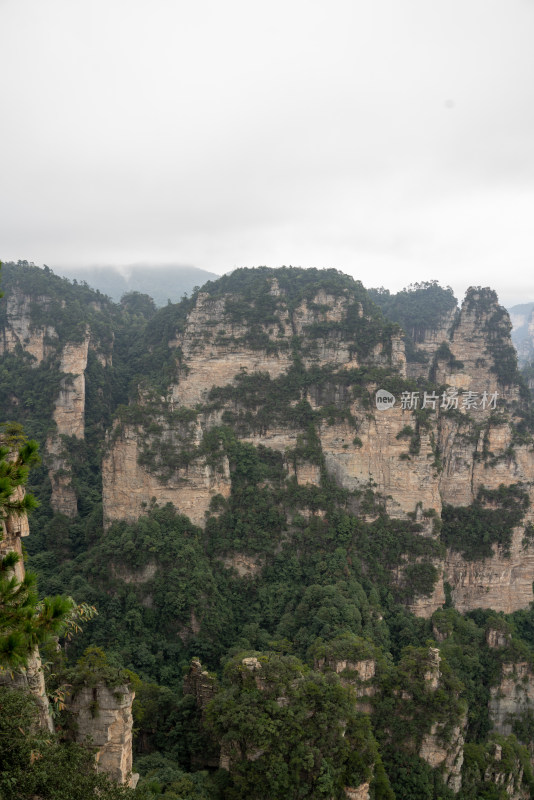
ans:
x=392 y=139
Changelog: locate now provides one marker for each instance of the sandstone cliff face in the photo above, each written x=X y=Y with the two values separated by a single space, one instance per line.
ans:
x=379 y=459
x=69 y=417
x=501 y=583
x=104 y=721
x=511 y=701
x=103 y=716
x=456 y=453
x=19 y=331
x=481 y=324
x=200 y=684
x=14 y=527
x=215 y=349
x=25 y=331
x=442 y=746
x=449 y=757
x=128 y=488
x=481 y=452
x=69 y=407
x=513 y=697
x=453 y=459
x=412 y=463
x=31 y=679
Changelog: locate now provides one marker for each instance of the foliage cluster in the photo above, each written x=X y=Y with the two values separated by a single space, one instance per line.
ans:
x=474 y=529
x=419 y=308
x=302 y=723
x=25 y=621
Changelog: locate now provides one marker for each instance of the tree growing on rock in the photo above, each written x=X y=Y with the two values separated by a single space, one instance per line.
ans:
x=25 y=621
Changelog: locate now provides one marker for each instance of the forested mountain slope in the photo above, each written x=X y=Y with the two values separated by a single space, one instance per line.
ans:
x=219 y=482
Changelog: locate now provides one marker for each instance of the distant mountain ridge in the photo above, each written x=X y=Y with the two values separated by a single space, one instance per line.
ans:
x=521 y=318
x=162 y=282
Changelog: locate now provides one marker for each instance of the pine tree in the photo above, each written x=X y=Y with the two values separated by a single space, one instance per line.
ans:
x=25 y=621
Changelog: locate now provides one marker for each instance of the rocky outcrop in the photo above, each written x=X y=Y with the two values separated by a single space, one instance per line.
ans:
x=507 y=775
x=448 y=757
x=48 y=333
x=481 y=322
x=496 y=638
x=103 y=720
x=511 y=707
x=215 y=348
x=31 y=677
x=200 y=684
x=513 y=697
x=425 y=605
x=41 y=342
x=359 y=674
x=358 y=793
x=19 y=330
x=103 y=717
x=377 y=456
x=129 y=488
x=13 y=528
x=433 y=674
x=503 y=583
x=443 y=745
x=69 y=418
x=444 y=461
x=69 y=408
